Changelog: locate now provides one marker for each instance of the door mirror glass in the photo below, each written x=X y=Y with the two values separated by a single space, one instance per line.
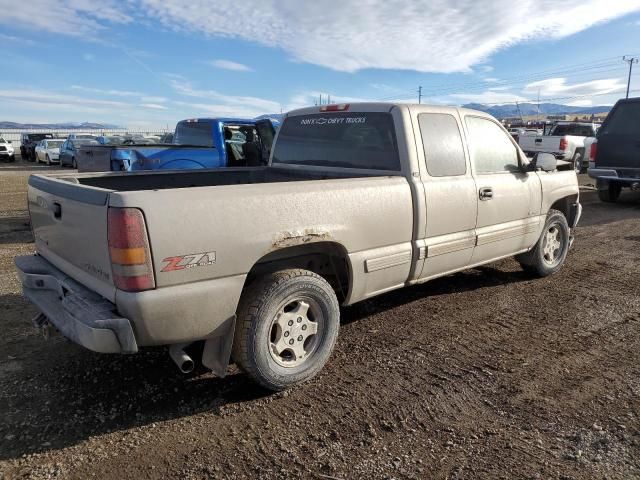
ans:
x=545 y=162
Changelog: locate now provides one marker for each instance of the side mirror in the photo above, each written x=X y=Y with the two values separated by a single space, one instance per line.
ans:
x=9 y=141
x=545 y=162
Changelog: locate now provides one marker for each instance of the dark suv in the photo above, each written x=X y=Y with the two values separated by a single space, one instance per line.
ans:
x=614 y=160
x=28 y=144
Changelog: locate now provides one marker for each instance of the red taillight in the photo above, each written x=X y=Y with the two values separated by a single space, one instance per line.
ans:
x=564 y=144
x=593 y=151
x=335 y=108
x=129 y=250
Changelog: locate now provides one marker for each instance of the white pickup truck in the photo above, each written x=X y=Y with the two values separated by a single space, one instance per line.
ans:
x=357 y=200
x=565 y=142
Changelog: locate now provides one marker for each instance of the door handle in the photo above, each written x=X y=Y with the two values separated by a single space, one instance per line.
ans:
x=486 y=193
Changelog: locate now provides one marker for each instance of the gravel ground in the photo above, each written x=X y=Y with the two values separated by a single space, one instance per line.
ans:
x=484 y=374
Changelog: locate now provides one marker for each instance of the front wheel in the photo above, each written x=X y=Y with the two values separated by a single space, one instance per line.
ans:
x=287 y=326
x=48 y=160
x=548 y=255
x=73 y=162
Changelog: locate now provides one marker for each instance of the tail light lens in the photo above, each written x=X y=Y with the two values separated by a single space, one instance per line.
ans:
x=563 y=144
x=592 y=151
x=129 y=250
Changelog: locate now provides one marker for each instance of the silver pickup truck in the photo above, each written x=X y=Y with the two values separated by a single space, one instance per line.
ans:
x=566 y=142
x=357 y=200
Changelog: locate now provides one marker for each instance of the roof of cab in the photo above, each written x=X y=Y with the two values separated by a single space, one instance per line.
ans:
x=243 y=121
x=386 y=107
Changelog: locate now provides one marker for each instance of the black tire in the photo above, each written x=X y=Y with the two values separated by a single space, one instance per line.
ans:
x=262 y=309
x=12 y=158
x=539 y=261
x=610 y=193
x=578 y=161
x=47 y=160
x=73 y=162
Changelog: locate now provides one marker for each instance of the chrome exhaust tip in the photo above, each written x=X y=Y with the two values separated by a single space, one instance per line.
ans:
x=184 y=362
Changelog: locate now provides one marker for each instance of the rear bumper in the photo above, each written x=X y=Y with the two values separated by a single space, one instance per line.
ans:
x=604 y=177
x=79 y=314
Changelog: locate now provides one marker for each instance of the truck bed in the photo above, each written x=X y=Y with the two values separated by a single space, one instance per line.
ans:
x=185 y=179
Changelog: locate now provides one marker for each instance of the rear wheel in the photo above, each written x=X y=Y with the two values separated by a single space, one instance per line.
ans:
x=548 y=255
x=610 y=193
x=48 y=160
x=578 y=158
x=288 y=322
x=73 y=162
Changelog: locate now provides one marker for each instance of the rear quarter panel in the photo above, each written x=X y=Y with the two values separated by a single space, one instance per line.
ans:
x=372 y=218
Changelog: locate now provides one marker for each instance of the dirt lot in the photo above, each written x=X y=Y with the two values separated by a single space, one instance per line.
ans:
x=484 y=374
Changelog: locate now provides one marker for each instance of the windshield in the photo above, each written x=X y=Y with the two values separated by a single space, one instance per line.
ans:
x=342 y=139
x=574 y=129
x=84 y=141
x=83 y=136
x=54 y=143
x=623 y=120
x=194 y=133
x=36 y=137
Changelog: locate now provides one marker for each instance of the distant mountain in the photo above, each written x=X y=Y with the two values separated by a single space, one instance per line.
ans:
x=511 y=110
x=56 y=126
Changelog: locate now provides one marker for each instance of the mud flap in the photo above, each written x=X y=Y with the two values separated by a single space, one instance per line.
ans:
x=217 y=350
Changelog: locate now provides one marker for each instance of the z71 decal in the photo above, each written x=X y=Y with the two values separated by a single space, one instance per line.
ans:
x=189 y=261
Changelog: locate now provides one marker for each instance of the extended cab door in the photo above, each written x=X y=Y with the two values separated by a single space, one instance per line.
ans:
x=509 y=199
x=450 y=194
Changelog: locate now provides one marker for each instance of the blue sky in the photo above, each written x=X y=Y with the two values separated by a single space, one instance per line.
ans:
x=149 y=63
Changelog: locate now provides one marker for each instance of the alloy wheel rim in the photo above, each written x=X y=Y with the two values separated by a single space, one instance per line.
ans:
x=295 y=331
x=552 y=245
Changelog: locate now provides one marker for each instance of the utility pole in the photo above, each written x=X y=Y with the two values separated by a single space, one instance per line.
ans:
x=420 y=94
x=630 y=61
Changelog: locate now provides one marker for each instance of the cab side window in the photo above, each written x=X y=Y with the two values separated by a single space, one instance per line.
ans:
x=491 y=148
x=442 y=143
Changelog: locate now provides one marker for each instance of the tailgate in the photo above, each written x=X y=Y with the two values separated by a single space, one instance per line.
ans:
x=618 y=151
x=94 y=159
x=69 y=223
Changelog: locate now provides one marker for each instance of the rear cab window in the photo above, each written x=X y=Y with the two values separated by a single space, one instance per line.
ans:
x=357 y=140
x=623 y=120
x=199 y=134
x=574 y=129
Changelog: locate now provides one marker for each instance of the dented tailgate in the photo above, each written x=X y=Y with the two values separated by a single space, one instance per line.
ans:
x=69 y=223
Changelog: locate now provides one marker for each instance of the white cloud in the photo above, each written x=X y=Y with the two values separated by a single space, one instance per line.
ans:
x=153 y=106
x=444 y=36
x=79 y=18
x=229 y=65
x=491 y=80
x=243 y=105
x=580 y=103
x=154 y=99
x=14 y=39
x=559 y=87
x=486 y=68
x=489 y=96
x=117 y=93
